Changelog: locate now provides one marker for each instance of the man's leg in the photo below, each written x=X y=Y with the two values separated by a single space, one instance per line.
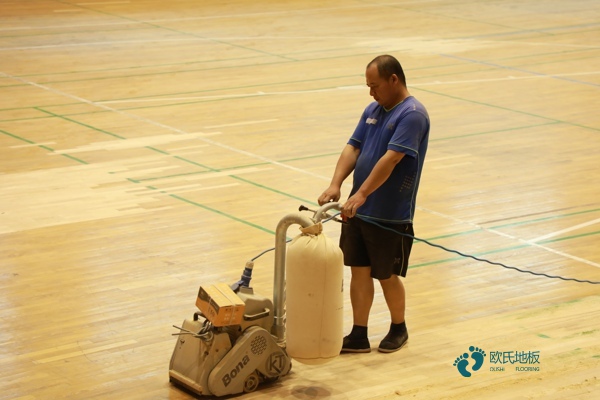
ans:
x=395 y=297
x=362 y=292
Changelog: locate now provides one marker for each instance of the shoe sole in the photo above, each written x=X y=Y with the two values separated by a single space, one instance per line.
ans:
x=355 y=350
x=391 y=350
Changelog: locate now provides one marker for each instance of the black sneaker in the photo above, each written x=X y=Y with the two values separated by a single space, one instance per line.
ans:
x=355 y=345
x=392 y=342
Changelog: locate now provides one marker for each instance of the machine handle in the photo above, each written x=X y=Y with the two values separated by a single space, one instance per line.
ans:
x=321 y=213
x=198 y=314
x=254 y=317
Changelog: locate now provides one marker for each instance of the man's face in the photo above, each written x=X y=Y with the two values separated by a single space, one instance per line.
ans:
x=382 y=90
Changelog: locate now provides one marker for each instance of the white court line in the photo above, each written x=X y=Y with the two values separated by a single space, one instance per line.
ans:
x=352 y=87
x=102 y=3
x=528 y=242
x=158 y=124
x=211 y=17
x=108 y=43
x=196 y=188
x=241 y=123
x=573 y=228
x=188 y=147
x=282 y=165
x=356 y=40
x=227 y=96
x=188 y=98
x=508 y=78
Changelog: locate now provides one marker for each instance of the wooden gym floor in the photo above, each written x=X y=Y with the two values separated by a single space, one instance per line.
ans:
x=148 y=147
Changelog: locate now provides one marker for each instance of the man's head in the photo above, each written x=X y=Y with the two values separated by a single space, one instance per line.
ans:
x=386 y=81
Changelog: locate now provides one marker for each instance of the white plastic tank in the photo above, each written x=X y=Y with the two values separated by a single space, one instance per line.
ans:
x=314 y=297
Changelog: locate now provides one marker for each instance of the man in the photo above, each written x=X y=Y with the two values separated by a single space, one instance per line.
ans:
x=386 y=153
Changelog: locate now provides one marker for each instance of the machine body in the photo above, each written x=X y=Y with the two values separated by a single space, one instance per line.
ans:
x=226 y=360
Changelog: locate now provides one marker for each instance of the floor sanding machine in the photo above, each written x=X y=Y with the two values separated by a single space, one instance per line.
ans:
x=239 y=339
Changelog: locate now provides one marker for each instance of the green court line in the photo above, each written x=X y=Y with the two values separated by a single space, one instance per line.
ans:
x=256 y=85
x=100 y=78
x=157 y=150
x=485 y=68
x=210 y=169
x=237 y=167
x=544 y=219
x=46 y=33
x=182 y=93
x=500 y=250
x=264 y=187
x=273 y=190
x=303 y=60
x=170 y=29
x=569 y=237
x=133 y=67
x=235 y=218
x=494 y=131
x=17 y=137
x=80 y=123
x=214 y=210
x=469 y=232
x=25 y=119
x=41 y=146
x=527 y=222
x=505 y=108
x=478 y=254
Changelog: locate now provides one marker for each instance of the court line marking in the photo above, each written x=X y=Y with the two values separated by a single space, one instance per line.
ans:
x=517 y=69
x=566 y=230
x=246 y=38
x=241 y=123
x=102 y=3
x=160 y=125
x=506 y=235
x=350 y=87
x=285 y=166
x=20 y=146
x=212 y=17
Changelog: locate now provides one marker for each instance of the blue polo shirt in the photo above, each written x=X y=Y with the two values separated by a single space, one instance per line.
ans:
x=405 y=129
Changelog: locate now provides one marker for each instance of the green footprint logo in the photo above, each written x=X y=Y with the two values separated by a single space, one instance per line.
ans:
x=462 y=362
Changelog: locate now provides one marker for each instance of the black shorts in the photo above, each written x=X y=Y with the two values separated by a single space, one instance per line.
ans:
x=366 y=244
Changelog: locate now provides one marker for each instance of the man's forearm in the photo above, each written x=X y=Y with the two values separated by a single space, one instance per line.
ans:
x=345 y=165
x=380 y=173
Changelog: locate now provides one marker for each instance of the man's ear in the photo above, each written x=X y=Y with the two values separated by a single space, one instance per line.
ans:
x=394 y=78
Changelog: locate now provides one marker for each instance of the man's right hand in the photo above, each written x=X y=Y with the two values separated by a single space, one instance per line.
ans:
x=329 y=195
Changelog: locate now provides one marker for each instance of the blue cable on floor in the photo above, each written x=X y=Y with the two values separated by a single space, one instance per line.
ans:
x=481 y=259
x=455 y=252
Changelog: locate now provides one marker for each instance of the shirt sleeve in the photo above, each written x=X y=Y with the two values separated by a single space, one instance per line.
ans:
x=408 y=134
x=358 y=136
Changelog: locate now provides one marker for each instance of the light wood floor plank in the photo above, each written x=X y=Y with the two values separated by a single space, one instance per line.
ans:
x=149 y=147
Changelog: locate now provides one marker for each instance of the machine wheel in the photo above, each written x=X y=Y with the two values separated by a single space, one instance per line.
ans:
x=251 y=382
